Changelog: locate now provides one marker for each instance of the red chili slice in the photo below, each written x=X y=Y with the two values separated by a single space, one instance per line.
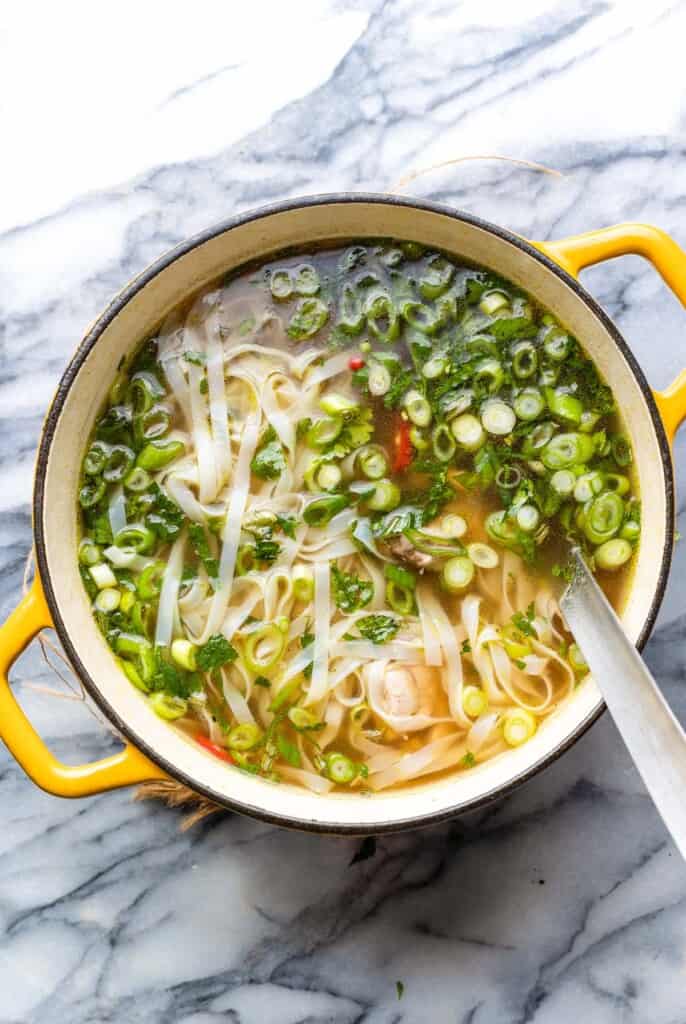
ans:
x=214 y=748
x=402 y=445
x=356 y=362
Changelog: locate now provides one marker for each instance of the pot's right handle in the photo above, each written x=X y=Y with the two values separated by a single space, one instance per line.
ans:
x=122 y=769
x=669 y=259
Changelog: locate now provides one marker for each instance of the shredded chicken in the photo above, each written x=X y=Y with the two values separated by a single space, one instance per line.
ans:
x=401 y=547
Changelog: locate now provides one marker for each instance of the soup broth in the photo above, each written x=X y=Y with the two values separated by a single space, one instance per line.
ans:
x=327 y=511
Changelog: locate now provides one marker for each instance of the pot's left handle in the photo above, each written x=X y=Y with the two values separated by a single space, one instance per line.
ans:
x=123 y=769
x=668 y=258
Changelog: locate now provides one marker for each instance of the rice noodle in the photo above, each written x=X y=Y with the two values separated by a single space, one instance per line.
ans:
x=117 y=510
x=322 y=615
x=168 y=595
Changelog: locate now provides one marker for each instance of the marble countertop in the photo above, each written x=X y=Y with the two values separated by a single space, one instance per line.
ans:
x=121 y=136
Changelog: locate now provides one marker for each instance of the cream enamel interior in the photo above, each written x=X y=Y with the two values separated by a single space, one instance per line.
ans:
x=257 y=238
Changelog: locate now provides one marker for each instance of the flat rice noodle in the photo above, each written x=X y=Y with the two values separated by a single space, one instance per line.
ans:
x=126 y=558
x=452 y=662
x=433 y=654
x=169 y=591
x=331 y=368
x=315 y=783
x=333 y=717
x=219 y=413
x=411 y=765
x=116 y=510
x=365 y=650
x=208 y=481
x=322 y=618
x=236 y=701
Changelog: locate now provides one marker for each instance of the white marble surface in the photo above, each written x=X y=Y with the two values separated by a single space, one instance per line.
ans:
x=124 y=131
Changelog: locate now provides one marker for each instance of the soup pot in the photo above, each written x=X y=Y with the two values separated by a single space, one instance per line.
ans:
x=153 y=750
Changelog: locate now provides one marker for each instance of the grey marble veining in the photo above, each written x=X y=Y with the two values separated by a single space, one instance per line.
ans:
x=567 y=900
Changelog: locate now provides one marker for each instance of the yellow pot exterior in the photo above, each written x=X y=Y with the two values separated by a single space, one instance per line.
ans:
x=154 y=749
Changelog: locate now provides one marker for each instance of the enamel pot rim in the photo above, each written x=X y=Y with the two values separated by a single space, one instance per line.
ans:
x=91 y=339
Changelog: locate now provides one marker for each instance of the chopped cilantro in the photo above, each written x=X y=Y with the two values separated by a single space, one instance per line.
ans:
x=524 y=621
x=350 y=591
x=204 y=386
x=378 y=628
x=400 y=989
x=288 y=750
x=215 y=653
x=200 y=545
x=164 y=516
x=173 y=680
x=269 y=462
x=262 y=681
x=287 y=524
x=266 y=550
x=305 y=640
x=564 y=572
x=466 y=647
x=468 y=761
x=197 y=358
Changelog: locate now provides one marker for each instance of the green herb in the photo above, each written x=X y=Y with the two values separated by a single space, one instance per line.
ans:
x=164 y=516
x=246 y=326
x=523 y=621
x=302 y=428
x=400 y=384
x=520 y=664
x=288 y=750
x=215 y=653
x=204 y=386
x=439 y=493
x=172 y=680
x=269 y=462
x=287 y=524
x=365 y=851
x=358 y=430
x=262 y=681
x=564 y=572
x=378 y=628
x=350 y=591
x=468 y=761
x=197 y=358
x=200 y=545
x=305 y=640
x=266 y=550
x=466 y=647
x=400 y=989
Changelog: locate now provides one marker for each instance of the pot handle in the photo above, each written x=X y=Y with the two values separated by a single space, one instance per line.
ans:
x=669 y=259
x=122 y=769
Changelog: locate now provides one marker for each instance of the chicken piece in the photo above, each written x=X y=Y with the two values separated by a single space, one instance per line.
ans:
x=406 y=552
x=406 y=698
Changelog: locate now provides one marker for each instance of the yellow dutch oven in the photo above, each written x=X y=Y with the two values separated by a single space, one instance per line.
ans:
x=153 y=750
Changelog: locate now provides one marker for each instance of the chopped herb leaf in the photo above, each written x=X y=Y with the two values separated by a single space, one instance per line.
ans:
x=400 y=989
x=350 y=592
x=200 y=545
x=288 y=750
x=305 y=640
x=466 y=647
x=468 y=761
x=262 y=681
x=378 y=628
x=215 y=653
x=269 y=462
x=287 y=524
x=266 y=550
x=197 y=358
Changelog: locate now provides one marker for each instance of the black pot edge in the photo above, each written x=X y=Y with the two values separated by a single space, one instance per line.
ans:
x=91 y=338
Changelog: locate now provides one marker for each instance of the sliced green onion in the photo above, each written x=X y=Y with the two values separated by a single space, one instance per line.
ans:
x=490 y=373
x=281 y=285
x=453 y=526
x=107 y=600
x=183 y=653
x=143 y=391
x=306 y=280
x=603 y=517
x=617 y=482
x=564 y=406
x=401 y=599
x=350 y=312
x=309 y=317
x=538 y=438
x=136 y=536
x=328 y=476
x=245 y=559
x=631 y=530
x=557 y=344
x=436 y=278
x=563 y=482
x=501 y=529
x=403 y=577
x=322 y=510
x=336 y=404
x=418 y=439
x=508 y=477
x=149 y=583
x=493 y=301
x=372 y=462
x=379 y=379
x=102 y=575
x=382 y=316
x=529 y=404
x=498 y=418
x=244 y=736
x=417 y=408
x=549 y=376
x=443 y=443
x=339 y=768
x=434 y=367
x=588 y=485
x=482 y=555
x=518 y=726
x=137 y=480
x=128 y=600
x=263 y=648
x=524 y=360
x=432 y=544
x=528 y=518
x=303 y=582
x=133 y=675
x=613 y=554
x=588 y=421
x=95 y=459
x=154 y=423
x=457 y=402
x=420 y=317
x=515 y=644
x=168 y=707
x=303 y=720
x=566 y=450
x=576 y=658
x=158 y=454
x=89 y=552
x=621 y=451
x=474 y=701
x=386 y=496
x=457 y=573
x=324 y=432
x=468 y=432
x=91 y=493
